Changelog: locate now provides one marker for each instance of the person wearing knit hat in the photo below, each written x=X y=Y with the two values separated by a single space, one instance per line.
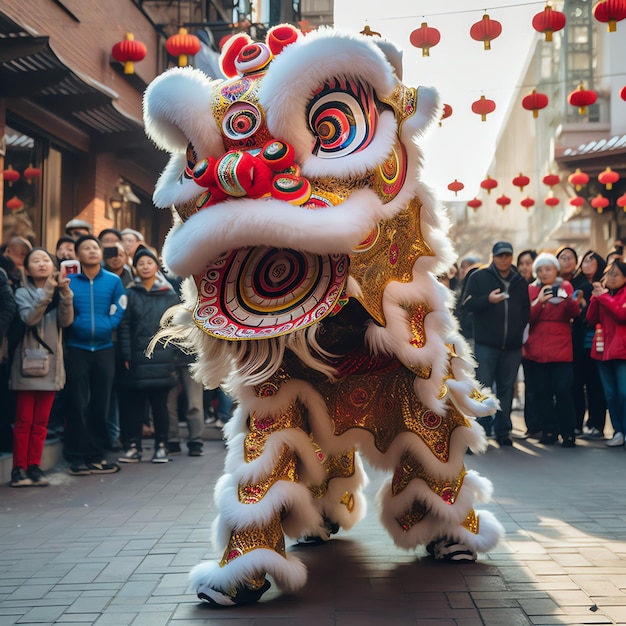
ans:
x=131 y=239
x=110 y=236
x=144 y=251
x=549 y=351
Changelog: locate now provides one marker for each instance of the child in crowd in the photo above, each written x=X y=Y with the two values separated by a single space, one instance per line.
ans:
x=45 y=306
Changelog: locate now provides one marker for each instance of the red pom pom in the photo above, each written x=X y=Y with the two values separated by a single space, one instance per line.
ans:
x=292 y=189
x=231 y=50
x=278 y=155
x=279 y=37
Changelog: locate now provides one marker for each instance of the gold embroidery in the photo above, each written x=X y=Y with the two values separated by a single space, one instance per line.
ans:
x=348 y=500
x=270 y=387
x=471 y=522
x=241 y=542
x=285 y=469
x=410 y=468
x=261 y=427
x=386 y=405
x=398 y=247
x=413 y=516
x=337 y=466
x=417 y=317
x=476 y=395
x=403 y=101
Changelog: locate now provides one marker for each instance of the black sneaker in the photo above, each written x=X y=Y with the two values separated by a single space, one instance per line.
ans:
x=195 y=448
x=504 y=441
x=132 y=455
x=173 y=447
x=160 y=454
x=445 y=549
x=235 y=597
x=78 y=469
x=103 y=467
x=37 y=476
x=19 y=478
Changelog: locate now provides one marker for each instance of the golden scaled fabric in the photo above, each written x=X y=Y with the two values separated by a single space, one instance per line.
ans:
x=413 y=516
x=270 y=537
x=285 y=469
x=261 y=427
x=337 y=466
x=392 y=251
x=471 y=522
x=385 y=404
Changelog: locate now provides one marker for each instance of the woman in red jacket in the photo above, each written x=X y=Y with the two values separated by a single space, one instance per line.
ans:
x=607 y=309
x=548 y=350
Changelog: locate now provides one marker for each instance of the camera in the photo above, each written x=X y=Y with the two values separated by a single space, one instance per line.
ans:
x=110 y=252
x=555 y=291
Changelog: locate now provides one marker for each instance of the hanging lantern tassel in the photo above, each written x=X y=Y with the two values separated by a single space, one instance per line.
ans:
x=183 y=45
x=129 y=52
x=486 y=30
x=535 y=101
x=577 y=201
x=608 y=178
x=489 y=184
x=14 y=204
x=425 y=37
x=610 y=12
x=548 y=21
x=552 y=201
x=599 y=203
x=621 y=201
x=31 y=173
x=579 y=179
x=483 y=107
x=456 y=186
x=11 y=175
x=503 y=201
x=582 y=98
x=475 y=203
x=527 y=202
x=521 y=181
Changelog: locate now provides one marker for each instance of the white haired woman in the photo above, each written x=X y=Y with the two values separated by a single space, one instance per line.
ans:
x=548 y=350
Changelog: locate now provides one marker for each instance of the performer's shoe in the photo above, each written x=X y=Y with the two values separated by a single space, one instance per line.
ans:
x=444 y=549
x=331 y=528
x=250 y=593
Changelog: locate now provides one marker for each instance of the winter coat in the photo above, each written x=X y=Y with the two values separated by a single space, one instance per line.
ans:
x=609 y=310
x=7 y=312
x=98 y=309
x=139 y=324
x=499 y=325
x=550 y=334
x=32 y=303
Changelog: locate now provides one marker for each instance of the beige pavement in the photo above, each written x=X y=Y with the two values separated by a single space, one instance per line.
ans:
x=116 y=550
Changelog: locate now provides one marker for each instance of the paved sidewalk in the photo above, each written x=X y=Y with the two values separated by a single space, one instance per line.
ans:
x=116 y=550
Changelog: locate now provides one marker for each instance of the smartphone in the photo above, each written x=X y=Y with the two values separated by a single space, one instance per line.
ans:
x=110 y=252
x=70 y=267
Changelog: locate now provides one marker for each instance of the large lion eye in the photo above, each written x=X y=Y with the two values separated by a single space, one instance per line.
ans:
x=241 y=120
x=342 y=116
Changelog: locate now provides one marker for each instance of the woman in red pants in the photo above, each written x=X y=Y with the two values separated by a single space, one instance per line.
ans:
x=37 y=372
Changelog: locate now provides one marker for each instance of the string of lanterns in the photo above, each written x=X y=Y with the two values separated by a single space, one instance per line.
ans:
x=578 y=179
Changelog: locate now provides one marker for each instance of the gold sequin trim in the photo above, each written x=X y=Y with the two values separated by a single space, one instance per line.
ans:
x=476 y=395
x=340 y=465
x=348 y=500
x=241 y=542
x=285 y=469
x=262 y=427
x=397 y=249
x=415 y=515
x=471 y=522
x=386 y=405
x=417 y=317
x=410 y=468
x=271 y=386
x=403 y=101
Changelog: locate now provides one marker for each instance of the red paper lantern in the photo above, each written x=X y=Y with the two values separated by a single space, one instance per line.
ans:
x=622 y=93
x=577 y=201
x=182 y=45
x=129 y=52
x=425 y=37
x=486 y=30
x=503 y=201
x=582 y=98
x=548 y=21
x=599 y=203
x=579 y=179
x=483 y=107
x=11 y=175
x=608 y=178
x=14 y=204
x=456 y=186
x=610 y=12
x=551 y=180
x=521 y=181
x=551 y=201
x=31 y=172
x=447 y=112
x=535 y=101
x=475 y=203
x=489 y=184
x=527 y=202
x=621 y=201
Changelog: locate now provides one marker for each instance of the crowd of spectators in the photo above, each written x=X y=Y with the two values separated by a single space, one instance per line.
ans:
x=74 y=327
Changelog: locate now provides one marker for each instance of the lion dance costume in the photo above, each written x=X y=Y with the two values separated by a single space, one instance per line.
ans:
x=311 y=249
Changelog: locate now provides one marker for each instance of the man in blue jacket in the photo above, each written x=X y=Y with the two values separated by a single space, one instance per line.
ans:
x=99 y=304
x=497 y=298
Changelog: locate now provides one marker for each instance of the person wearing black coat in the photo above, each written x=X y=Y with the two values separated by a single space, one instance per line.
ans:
x=147 y=380
x=497 y=297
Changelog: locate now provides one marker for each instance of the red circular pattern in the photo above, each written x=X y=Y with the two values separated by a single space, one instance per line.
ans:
x=431 y=420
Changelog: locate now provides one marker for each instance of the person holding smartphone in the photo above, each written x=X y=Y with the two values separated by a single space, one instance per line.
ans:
x=45 y=305
x=548 y=350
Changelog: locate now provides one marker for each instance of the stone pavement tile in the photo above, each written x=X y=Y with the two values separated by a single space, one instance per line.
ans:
x=540 y=606
x=504 y=617
x=83 y=573
x=160 y=618
x=154 y=563
x=485 y=583
x=571 y=598
x=119 y=570
x=573 y=559
x=115 y=619
x=77 y=618
x=595 y=585
x=545 y=583
x=460 y=600
x=137 y=588
x=88 y=605
x=359 y=618
x=171 y=584
x=30 y=592
x=41 y=615
x=545 y=567
x=108 y=548
x=573 y=620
